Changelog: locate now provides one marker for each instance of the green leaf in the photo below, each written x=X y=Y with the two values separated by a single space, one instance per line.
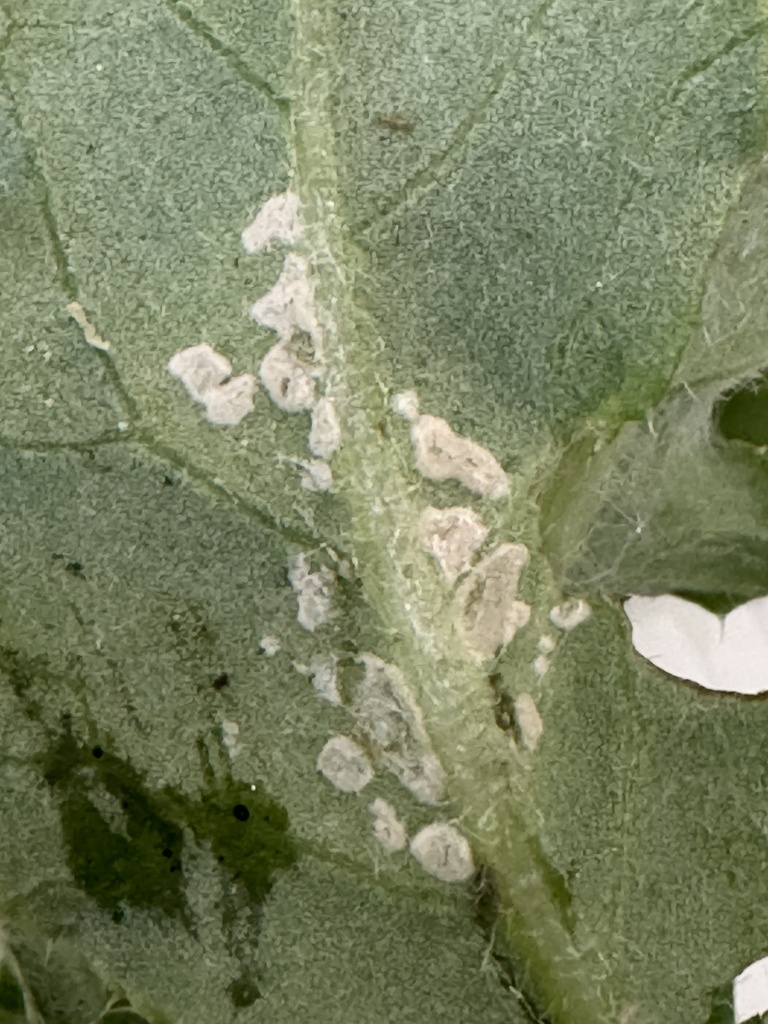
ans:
x=541 y=222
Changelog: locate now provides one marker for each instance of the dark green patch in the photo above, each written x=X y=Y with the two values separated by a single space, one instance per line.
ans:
x=503 y=706
x=243 y=992
x=721 y=1005
x=718 y=604
x=250 y=848
x=742 y=415
x=110 y=866
x=556 y=883
x=11 y=999
x=138 y=859
x=22 y=674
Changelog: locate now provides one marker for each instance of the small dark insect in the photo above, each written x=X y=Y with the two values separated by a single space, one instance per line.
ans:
x=241 y=812
x=220 y=682
x=395 y=123
x=97 y=752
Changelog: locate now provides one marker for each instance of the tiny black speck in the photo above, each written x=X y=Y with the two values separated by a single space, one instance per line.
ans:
x=221 y=681
x=241 y=812
x=167 y=853
x=97 y=752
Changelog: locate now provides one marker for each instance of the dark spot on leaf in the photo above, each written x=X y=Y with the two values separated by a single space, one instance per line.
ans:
x=721 y=1004
x=97 y=752
x=742 y=414
x=241 y=812
x=503 y=705
x=221 y=681
x=395 y=123
x=11 y=998
x=167 y=852
x=243 y=992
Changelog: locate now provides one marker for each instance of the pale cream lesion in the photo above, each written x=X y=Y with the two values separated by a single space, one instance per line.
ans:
x=207 y=377
x=489 y=612
x=452 y=536
x=441 y=454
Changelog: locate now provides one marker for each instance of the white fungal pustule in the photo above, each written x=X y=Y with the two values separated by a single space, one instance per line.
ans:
x=443 y=455
x=316 y=476
x=541 y=665
x=289 y=306
x=314 y=592
x=277 y=221
x=289 y=381
x=547 y=643
x=91 y=335
x=452 y=535
x=528 y=720
x=322 y=671
x=345 y=765
x=489 y=613
x=387 y=827
x=231 y=401
x=325 y=432
x=407 y=404
x=270 y=645
x=570 y=613
x=390 y=717
x=207 y=377
x=444 y=852
x=229 y=733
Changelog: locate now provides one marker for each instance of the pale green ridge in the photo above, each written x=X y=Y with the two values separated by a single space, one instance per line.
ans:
x=403 y=587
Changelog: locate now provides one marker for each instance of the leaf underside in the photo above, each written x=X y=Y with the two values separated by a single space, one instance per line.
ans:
x=547 y=219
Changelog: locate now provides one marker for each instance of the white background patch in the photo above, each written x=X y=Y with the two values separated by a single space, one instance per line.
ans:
x=750 y=991
x=684 y=639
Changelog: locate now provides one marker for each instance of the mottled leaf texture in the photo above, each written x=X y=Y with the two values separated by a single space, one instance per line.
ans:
x=359 y=359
